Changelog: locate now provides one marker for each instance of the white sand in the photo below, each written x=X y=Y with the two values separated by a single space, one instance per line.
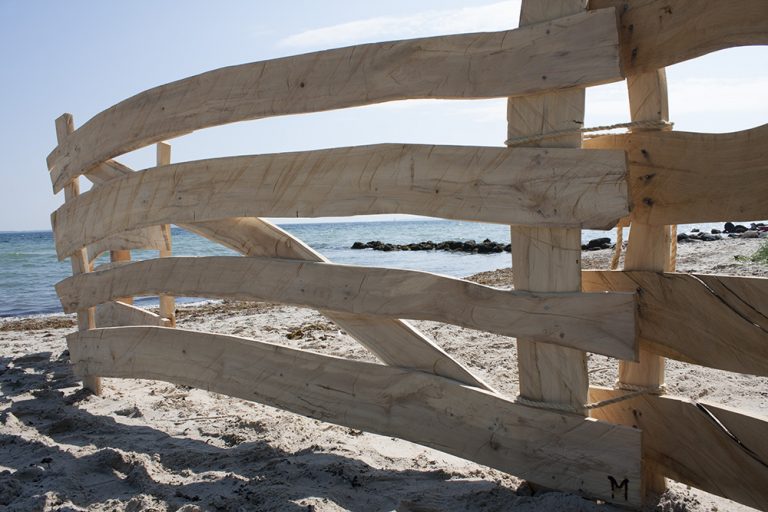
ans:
x=153 y=446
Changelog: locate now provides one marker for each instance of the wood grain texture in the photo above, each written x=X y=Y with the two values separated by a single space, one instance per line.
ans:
x=393 y=341
x=578 y=50
x=600 y=322
x=649 y=248
x=684 y=177
x=167 y=302
x=659 y=33
x=715 y=321
x=65 y=126
x=525 y=186
x=548 y=259
x=116 y=314
x=696 y=443
x=571 y=452
x=150 y=238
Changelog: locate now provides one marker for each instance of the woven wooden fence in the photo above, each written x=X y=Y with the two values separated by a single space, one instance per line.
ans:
x=548 y=186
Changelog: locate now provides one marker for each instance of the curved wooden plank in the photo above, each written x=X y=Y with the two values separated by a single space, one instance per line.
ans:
x=600 y=322
x=711 y=447
x=659 y=33
x=703 y=319
x=683 y=177
x=393 y=341
x=578 y=50
x=533 y=186
x=570 y=452
x=150 y=237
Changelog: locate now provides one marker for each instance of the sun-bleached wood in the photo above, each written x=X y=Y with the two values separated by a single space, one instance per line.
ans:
x=151 y=238
x=548 y=259
x=601 y=322
x=116 y=314
x=712 y=447
x=683 y=177
x=577 y=50
x=523 y=185
x=65 y=126
x=569 y=451
x=649 y=248
x=393 y=341
x=167 y=302
x=711 y=320
x=659 y=33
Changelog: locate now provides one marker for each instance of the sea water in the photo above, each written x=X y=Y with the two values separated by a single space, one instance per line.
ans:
x=29 y=268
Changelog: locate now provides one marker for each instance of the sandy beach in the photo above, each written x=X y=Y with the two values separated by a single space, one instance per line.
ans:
x=154 y=446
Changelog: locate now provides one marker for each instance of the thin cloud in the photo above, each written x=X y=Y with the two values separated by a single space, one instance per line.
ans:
x=492 y=17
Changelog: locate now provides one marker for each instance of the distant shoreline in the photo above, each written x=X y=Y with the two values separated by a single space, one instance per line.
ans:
x=716 y=257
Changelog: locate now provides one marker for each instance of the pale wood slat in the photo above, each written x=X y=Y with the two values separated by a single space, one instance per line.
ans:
x=715 y=321
x=599 y=322
x=681 y=438
x=578 y=50
x=527 y=186
x=570 y=452
x=684 y=177
x=659 y=33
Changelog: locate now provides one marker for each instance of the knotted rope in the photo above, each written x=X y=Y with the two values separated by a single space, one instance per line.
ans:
x=634 y=391
x=651 y=124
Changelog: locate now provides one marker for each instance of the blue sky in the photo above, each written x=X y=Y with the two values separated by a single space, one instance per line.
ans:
x=83 y=56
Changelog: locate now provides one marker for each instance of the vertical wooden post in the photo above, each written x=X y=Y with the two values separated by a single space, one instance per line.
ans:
x=549 y=259
x=167 y=302
x=86 y=318
x=650 y=248
x=115 y=256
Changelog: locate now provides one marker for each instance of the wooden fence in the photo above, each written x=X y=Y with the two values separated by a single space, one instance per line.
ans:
x=553 y=434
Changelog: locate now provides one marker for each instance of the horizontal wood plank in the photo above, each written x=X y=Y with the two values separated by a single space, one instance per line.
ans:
x=715 y=321
x=539 y=186
x=597 y=322
x=577 y=50
x=683 y=177
x=570 y=452
x=394 y=341
x=115 y=314
x=711 y=447
x=659 y=33
x=149 y=238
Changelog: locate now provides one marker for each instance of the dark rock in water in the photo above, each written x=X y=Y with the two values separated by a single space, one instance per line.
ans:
x=359 y=245
x=695 y=230
x=715 y=231
x=508 y=248
x=728 y=227
x=682 y=237
x=598 y=243
x=738 y=228
x=709 y=238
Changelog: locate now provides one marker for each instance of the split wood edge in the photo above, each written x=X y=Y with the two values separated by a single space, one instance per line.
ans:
x=568 y=451
x=597 y=322
x=711 y=320
x=712 y=447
